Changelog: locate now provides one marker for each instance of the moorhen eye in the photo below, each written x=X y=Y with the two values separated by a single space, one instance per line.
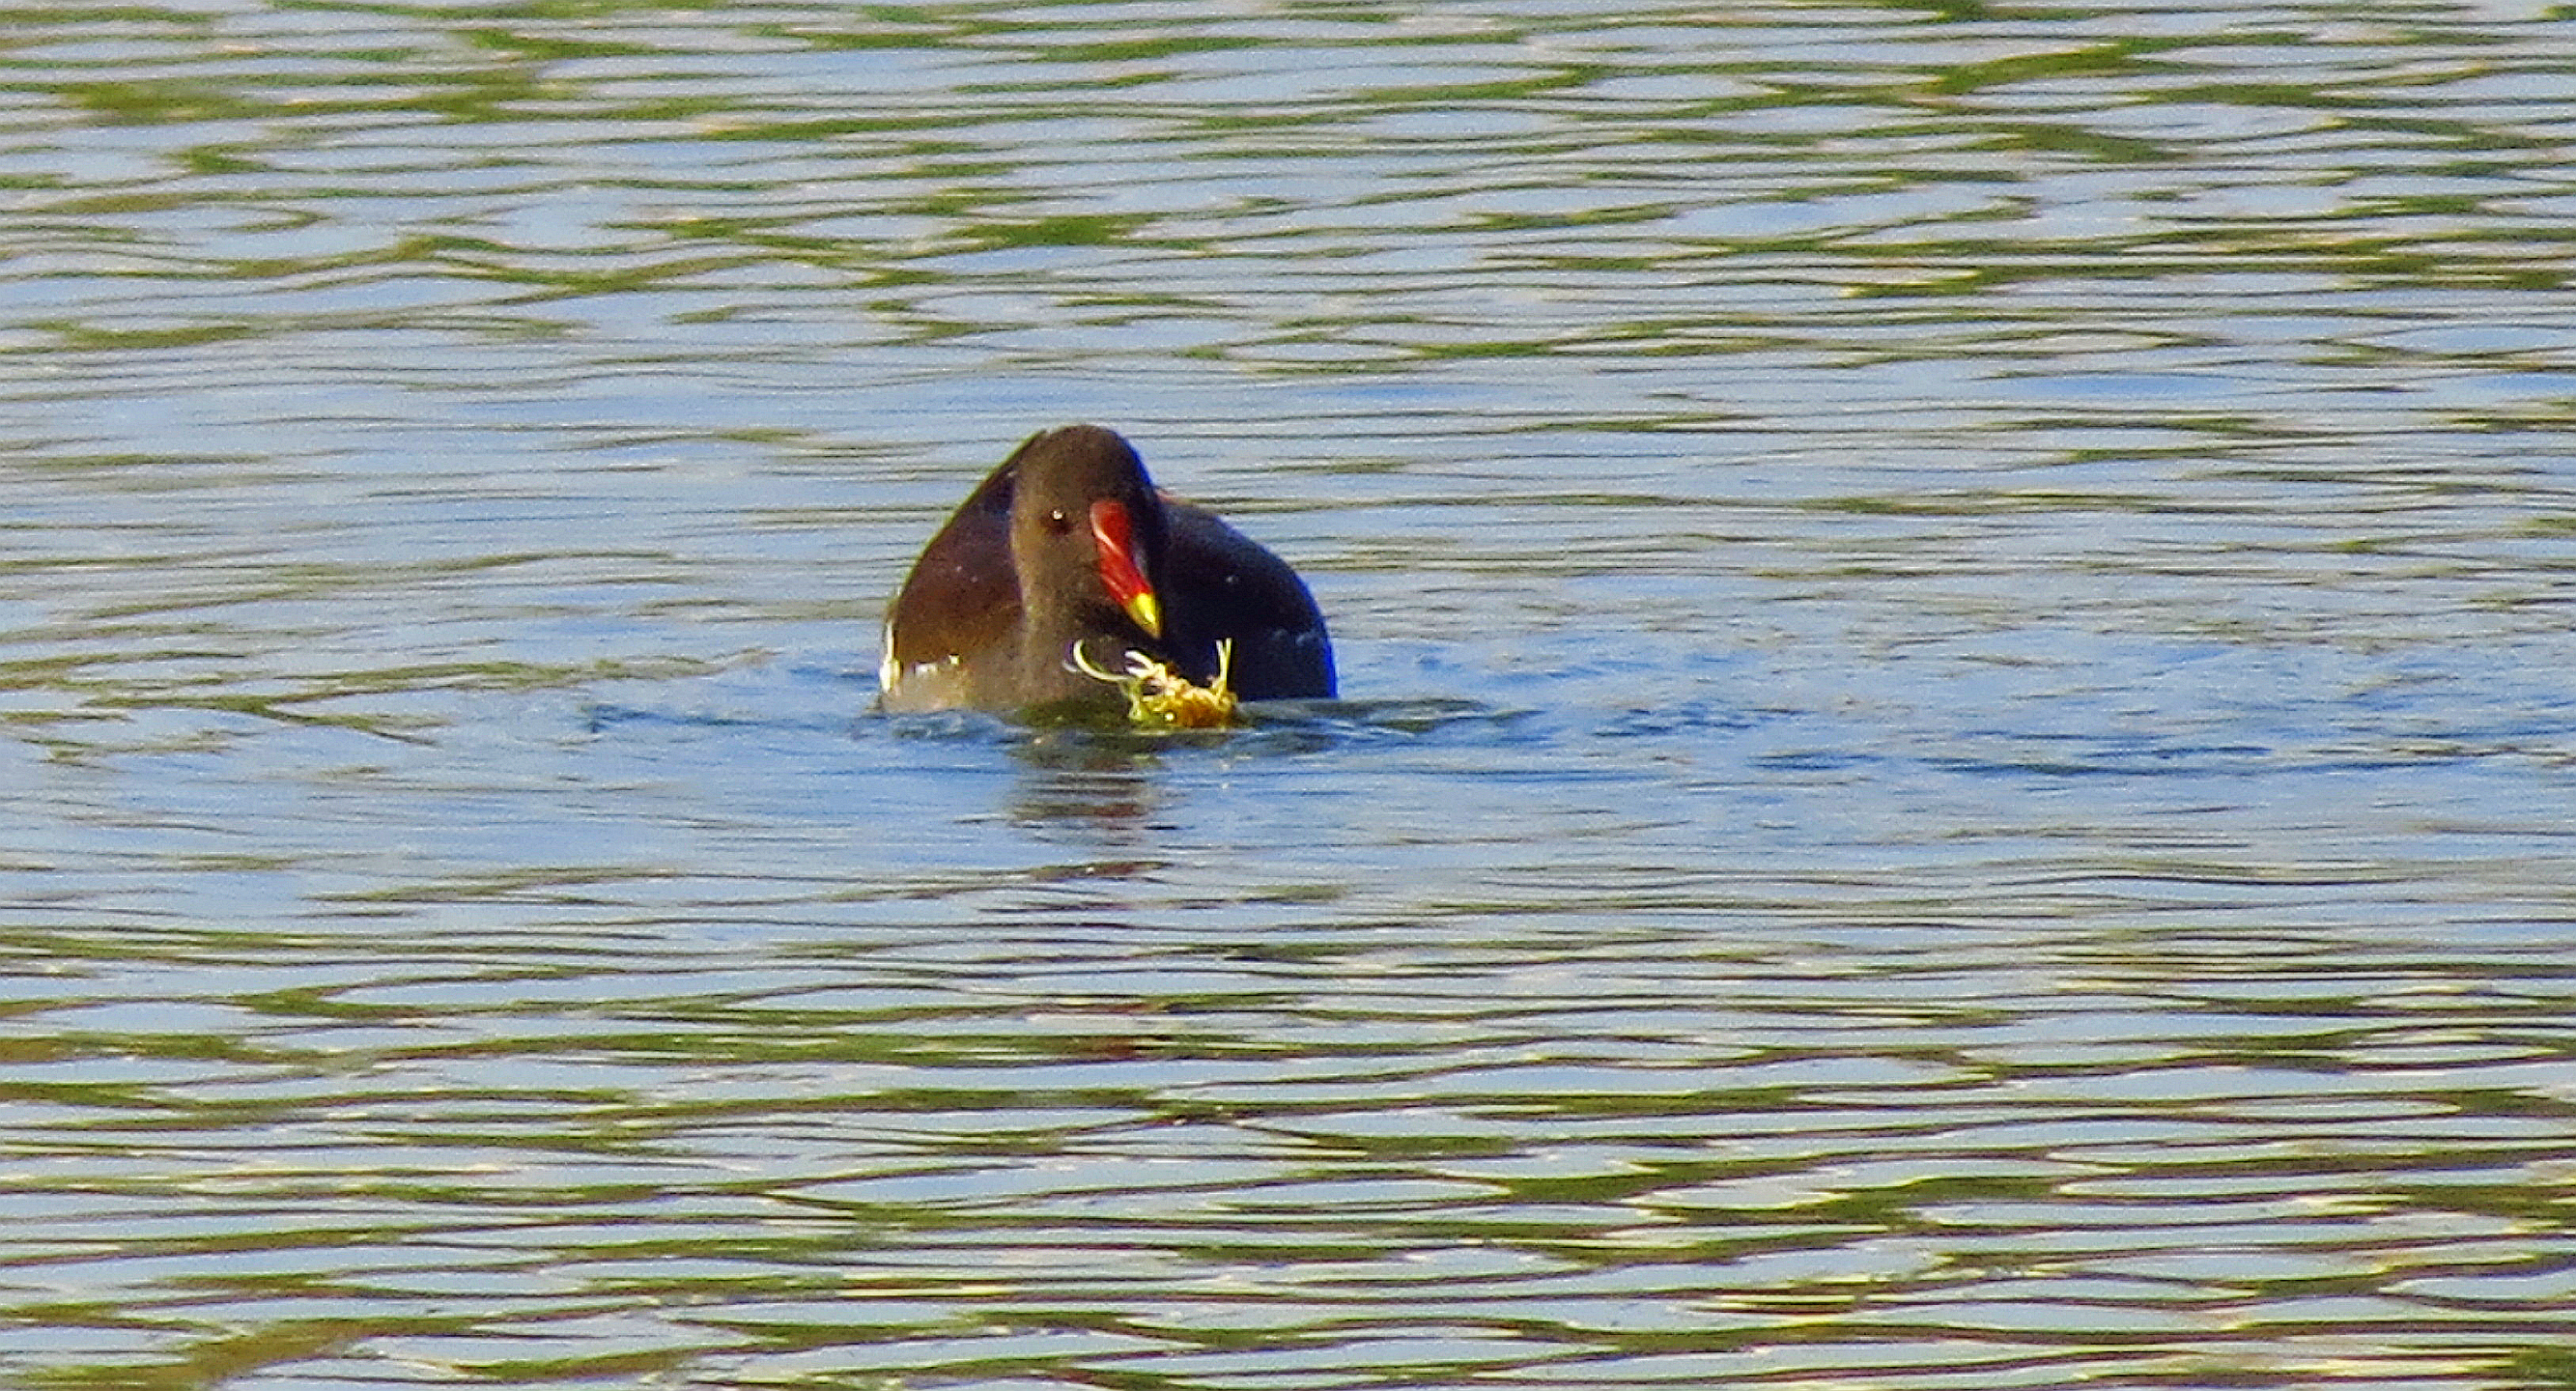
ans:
x=980 y=625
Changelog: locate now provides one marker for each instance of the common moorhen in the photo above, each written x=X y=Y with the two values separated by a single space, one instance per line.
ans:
x=1067 y=545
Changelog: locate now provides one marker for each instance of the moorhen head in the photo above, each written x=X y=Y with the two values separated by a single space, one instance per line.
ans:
x=1068 y=547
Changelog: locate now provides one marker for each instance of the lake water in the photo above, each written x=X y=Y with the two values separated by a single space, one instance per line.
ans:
x=1959 y=764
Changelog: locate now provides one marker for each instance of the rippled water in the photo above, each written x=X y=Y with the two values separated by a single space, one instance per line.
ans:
x=1958 y=766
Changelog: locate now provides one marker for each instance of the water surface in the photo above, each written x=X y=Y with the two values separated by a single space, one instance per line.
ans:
x=1956 y=774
